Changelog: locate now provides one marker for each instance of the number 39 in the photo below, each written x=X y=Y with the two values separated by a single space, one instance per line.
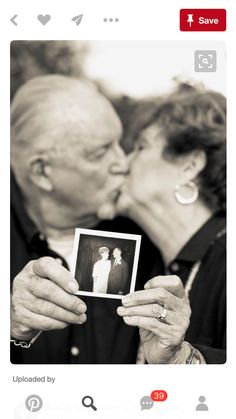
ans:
x=159 y=395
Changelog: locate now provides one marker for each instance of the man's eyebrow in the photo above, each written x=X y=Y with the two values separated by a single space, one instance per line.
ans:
x=92 y=149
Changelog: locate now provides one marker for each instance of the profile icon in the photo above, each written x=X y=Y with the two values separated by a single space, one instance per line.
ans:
x=202 y=406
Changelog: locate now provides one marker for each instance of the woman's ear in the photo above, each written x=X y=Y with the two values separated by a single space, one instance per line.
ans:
x=40 y=172
x=194 y=163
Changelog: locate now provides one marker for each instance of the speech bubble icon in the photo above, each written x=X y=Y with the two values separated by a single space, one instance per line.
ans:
x=146 y=403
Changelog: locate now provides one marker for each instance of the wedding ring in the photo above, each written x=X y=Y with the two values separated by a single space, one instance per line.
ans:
x=163 y=315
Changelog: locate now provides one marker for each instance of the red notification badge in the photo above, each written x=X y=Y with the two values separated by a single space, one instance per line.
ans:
x=159 y=395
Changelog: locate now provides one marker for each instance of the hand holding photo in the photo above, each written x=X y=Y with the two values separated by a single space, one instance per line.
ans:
x=105 y=263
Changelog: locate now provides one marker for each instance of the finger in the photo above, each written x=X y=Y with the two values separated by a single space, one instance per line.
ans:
x=48 y=309
x=49 y=291
x=171 y=283
x=149 y=323
x=48 y=267
x=159 y=295
x=39 y=322
x=167 y=334
x=150 y=310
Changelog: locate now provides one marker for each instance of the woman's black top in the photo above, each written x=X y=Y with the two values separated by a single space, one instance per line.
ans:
x=207 y=295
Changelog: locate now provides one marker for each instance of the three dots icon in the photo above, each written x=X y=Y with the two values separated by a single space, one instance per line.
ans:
x=110 y=19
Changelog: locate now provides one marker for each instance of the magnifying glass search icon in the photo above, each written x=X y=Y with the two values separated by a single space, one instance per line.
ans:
x=87 y=401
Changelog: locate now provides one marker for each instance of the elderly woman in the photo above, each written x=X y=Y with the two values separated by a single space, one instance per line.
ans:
x=176 y=192
x=101 y=270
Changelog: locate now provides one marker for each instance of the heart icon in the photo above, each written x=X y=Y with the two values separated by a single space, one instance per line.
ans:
x=44 y=19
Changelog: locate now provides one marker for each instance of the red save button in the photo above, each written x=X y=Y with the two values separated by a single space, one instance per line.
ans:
x=202 y=19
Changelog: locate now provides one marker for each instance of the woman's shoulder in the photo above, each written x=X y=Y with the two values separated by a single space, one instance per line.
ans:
x=215 y=258
x=220 y=241
x=97 y=263
x=217 y=244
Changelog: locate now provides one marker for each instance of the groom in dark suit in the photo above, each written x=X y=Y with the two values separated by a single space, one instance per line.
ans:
x=119 y=273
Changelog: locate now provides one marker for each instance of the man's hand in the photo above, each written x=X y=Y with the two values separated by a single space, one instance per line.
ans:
x=162 y=339
x=42 y=299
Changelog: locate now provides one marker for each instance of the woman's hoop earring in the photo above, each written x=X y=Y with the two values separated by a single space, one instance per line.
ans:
x=186 y=201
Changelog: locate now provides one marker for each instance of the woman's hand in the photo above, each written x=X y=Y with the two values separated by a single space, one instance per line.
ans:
x=161 y=337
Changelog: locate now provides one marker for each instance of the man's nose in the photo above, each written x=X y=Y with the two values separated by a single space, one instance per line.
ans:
x=120 y=164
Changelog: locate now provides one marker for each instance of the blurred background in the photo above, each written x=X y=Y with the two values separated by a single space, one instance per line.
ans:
x=129 y=73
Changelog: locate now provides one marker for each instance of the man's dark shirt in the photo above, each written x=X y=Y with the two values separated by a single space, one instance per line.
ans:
x=105 y=338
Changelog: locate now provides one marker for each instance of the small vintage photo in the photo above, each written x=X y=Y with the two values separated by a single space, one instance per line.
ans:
x=105 y=263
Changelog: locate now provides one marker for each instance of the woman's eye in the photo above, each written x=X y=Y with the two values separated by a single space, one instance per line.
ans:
x=141 y=145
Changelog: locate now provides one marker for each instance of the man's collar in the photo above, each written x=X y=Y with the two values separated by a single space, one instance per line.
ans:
x=199 y=243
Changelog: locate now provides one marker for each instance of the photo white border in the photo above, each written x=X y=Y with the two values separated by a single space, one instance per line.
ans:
x=115 y=235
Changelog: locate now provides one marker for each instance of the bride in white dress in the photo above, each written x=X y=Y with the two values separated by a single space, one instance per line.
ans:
x=101 y=270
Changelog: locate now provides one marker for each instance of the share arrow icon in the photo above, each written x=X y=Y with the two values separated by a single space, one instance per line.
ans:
x=13 y=20
x=77 y=19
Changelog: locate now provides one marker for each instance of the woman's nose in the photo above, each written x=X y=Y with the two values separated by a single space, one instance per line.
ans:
x=120 y=164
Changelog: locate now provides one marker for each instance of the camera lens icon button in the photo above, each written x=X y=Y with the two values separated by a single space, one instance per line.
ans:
x=34 y=403
x=205 y=61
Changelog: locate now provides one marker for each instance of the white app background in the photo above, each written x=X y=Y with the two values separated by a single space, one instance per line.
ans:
x=117 y=389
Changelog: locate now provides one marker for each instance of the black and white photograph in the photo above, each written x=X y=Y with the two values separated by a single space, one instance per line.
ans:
x=105 y=264
x=117 y=141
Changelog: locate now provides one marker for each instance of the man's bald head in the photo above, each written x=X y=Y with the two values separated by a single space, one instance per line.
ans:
x=46 y=109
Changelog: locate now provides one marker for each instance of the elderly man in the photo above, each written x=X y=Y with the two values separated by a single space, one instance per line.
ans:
x=67 y=165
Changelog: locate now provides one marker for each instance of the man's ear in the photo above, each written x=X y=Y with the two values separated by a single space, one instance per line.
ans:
x=40 y=172
x=194 y=164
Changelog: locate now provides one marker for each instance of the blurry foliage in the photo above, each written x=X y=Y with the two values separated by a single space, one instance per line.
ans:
x=33 y=58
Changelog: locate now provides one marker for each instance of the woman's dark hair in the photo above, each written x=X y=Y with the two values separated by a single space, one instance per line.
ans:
x=193 y=118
